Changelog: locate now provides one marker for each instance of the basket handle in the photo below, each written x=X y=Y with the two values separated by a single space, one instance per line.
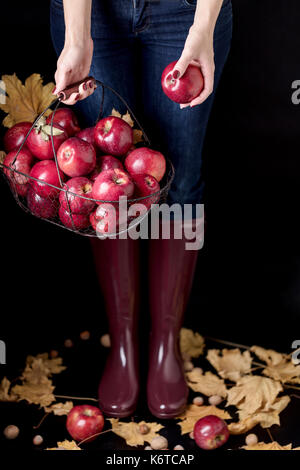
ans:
x=74 y=88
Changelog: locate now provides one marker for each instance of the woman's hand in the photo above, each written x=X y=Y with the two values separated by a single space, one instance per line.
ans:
x=74 y=65
x=199 y=51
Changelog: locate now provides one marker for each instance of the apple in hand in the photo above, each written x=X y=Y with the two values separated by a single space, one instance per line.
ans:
x=146 y=161
x=67 y=119
x=14 y=137
x=81 y=186
x=84 y=421
x=23 y=163
x=41 y=207
x=113 y=136
x=39 y=140
x=46 y=172
x=76 y=157
x=112 y=184
x=106 y=219
x=105 y=162
x=145 y=185
x=185 y=89
x=210 y=432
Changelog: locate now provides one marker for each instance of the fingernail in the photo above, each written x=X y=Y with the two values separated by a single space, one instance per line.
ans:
x=91 y=85
x=53 y=91
x=84 y=86
x=77 y=97
x=176 y=74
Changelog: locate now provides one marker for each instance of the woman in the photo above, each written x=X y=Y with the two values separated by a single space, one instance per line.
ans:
x=127 y=44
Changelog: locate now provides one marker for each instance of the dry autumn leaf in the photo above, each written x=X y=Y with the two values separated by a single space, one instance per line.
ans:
x=193 y=412
x=231 y=364
x=2 y=156
x=54 y=366
x=191 y=344
x=270 y=446
x=25 y=102
x=137 y=134
x=38 y=394
x=65 y=445
x=131 y=431
x=5 y=394
x=252 y=393
x=266 y=418
x=209 y=384
x=270 y=357
x=60 y=409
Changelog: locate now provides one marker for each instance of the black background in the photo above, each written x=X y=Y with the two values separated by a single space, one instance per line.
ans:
x=247 y=281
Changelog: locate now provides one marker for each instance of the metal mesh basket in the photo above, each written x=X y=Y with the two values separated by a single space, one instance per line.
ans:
x=83 y=224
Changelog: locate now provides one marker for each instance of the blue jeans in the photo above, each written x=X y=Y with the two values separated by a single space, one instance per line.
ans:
x=134 y=40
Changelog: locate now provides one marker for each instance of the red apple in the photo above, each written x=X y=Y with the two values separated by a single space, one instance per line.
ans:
x=16 y=135
x=76 y=221
x=46 y=172
x=105 y=162
x=87 y=135
x=145 y=185
x=106 y=219
x=39 y=140
x=210 y=432
x=184 y=89
x=67 y=119
x=76 y=157
x=41 y=207
x=113 y=136
x=111 y=184
x=23 y=164
x=146 y=161
x=84 y=421
x=81 y=186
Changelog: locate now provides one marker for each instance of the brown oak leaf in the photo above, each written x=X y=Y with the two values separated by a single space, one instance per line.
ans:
x=131 y=431
x=25 y=102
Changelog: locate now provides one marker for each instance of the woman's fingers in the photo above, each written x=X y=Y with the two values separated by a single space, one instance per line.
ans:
x=208 y=71
x=182 y=64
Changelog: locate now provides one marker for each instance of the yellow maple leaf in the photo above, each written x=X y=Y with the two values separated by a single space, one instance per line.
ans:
x=36 y=372
x=60 y=409
x=230 y=363
x=191 y=343
x=270 y=446
x=193 y=412
x=265 y=417
x=137 y=136
x=2 y=156
x=5 y=394
x=137 y=133
x=269 y=356
x=209 y=384
x=131 y=431
x=65 y=445
x=38 y=394
x=253 y=392
x=54 y=366
x=25 y=102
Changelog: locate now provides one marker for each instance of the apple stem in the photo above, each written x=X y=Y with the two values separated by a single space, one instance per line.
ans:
x=76 y=398
x=94 y=435
x=270 y=435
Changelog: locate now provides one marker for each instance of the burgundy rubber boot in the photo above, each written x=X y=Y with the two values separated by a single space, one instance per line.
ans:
x=171 y=275
x=117 y=263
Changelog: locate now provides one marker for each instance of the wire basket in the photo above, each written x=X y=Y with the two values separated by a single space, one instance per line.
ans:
x=87 y=224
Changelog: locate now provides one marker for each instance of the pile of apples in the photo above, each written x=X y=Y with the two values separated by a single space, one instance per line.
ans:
x=96 y=166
